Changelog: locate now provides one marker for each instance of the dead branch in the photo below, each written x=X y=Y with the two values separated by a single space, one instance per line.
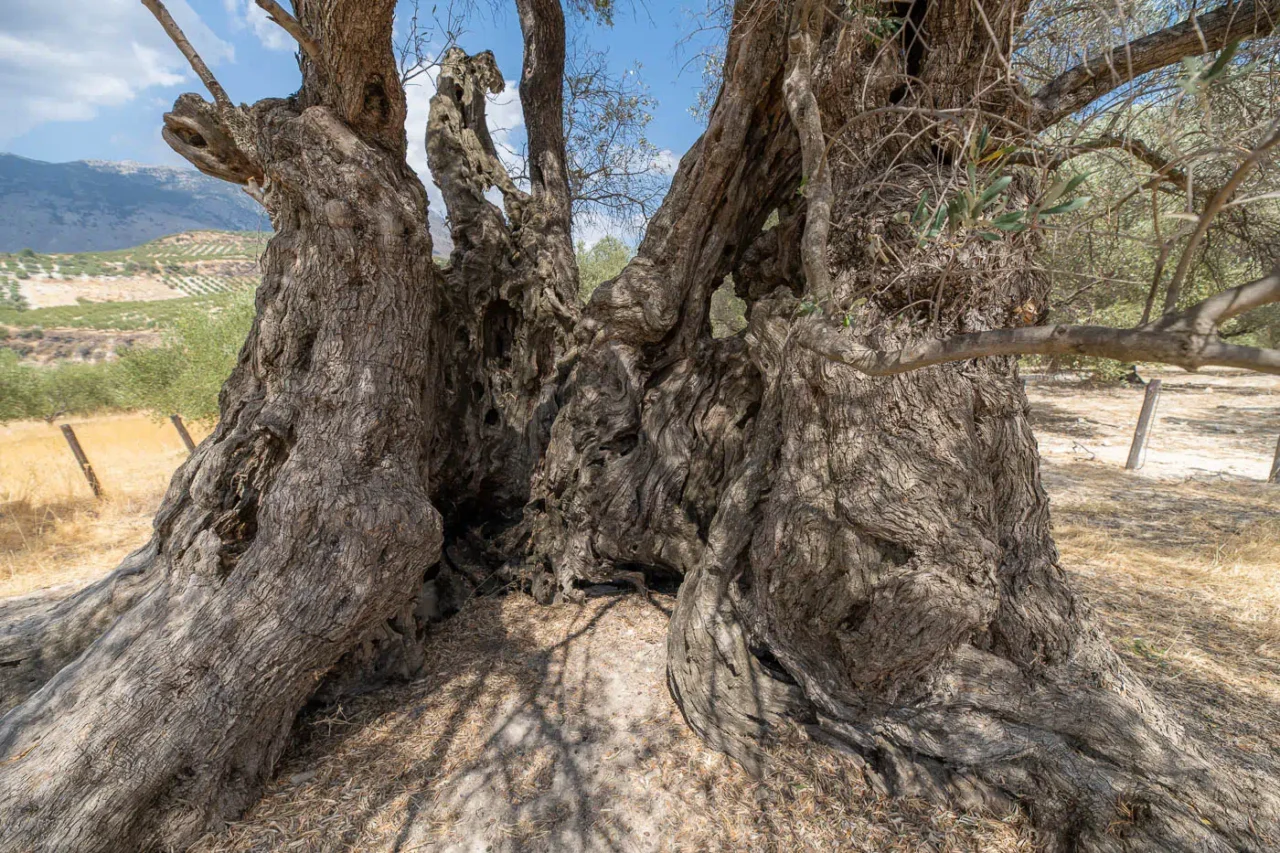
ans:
x=176 y=35
x=291 y=25
x=1085 y=83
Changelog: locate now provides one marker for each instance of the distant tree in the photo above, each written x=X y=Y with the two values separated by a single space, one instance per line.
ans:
x=606 y=258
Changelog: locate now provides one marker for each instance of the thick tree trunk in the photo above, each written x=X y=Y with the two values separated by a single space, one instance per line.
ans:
x=300 y=525
x=870 y=556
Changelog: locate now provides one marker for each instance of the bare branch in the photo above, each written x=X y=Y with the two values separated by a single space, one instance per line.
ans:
x=1204 y=316
x=176 y=35
x=1074 y=89
x=1163 y=167
x=542 y=102
x=290 y=25
x=1188 y=340
x=1211 y=210
x=802 y=104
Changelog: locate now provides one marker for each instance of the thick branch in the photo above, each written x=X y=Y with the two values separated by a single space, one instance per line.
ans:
x=290 y=25
x=1188 y=340
x=802 y=105
x=1203 y=317
x=542 y=100
x=1074 y=89
x=175 y=33
x=1184 y=350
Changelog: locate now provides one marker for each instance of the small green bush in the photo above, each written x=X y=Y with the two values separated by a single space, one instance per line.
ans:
x=28 y=391
x=184 y=375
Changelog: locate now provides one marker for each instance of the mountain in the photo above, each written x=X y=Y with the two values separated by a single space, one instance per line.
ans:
x=95 y=205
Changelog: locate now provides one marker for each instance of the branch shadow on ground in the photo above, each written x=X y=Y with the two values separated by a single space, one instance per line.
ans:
x=503 y=738
x=1217 y=670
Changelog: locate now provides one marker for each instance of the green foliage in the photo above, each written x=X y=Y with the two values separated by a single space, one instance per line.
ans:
x=1199 y=77
x=601 y=262
x=980 y=207
x=28 y=391
x=184 y=374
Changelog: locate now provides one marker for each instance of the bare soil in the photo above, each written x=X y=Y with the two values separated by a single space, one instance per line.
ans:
x=76 y=345
x=1215 y=423
x=47 y=291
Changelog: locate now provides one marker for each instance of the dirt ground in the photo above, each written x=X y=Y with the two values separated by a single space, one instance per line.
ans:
x=56 y=346
x=48 y=292
x=1214 y=423
x=551 y=729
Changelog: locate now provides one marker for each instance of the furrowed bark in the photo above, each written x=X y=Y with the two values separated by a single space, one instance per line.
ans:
x=38 y=637
x=622 y=483
x=869 y=555
x=511 y=302
x=298 y=527
x=874 y=558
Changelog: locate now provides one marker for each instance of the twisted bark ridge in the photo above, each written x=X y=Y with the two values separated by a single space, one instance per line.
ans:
x=848 y=491
x=302 y=522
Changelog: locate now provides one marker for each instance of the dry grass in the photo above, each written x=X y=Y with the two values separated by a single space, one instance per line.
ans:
x=1185 y=578
x=52 y=530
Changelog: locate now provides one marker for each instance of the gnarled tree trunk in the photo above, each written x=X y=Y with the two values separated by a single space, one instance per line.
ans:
x=862 y=548
x=303 y=521
x=867 y=554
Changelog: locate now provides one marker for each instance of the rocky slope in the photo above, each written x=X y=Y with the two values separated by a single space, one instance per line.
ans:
x=94 y=205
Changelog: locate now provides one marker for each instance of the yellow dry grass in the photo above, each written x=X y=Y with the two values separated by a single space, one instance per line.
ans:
x=52 y=530
x=1185 y=577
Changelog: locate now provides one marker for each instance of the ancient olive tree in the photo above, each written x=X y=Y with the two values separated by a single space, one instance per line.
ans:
x=848 y=490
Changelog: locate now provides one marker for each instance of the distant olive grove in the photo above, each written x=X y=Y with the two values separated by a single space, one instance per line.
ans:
x=184 y=374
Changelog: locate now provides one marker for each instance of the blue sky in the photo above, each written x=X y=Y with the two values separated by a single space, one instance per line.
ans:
x=90 y=79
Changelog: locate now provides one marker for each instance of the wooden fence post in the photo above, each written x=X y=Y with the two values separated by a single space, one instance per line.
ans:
x=1143 y=431
x=182 y=431
x=1275 y=466
x=85 y=467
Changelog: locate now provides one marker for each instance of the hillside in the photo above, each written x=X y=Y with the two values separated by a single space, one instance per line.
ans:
x=88 y=306
x=94 y=206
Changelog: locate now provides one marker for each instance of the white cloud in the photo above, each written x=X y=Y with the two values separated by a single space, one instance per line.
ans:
x=248 y=15
x=666 y=161
x=64 y=60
